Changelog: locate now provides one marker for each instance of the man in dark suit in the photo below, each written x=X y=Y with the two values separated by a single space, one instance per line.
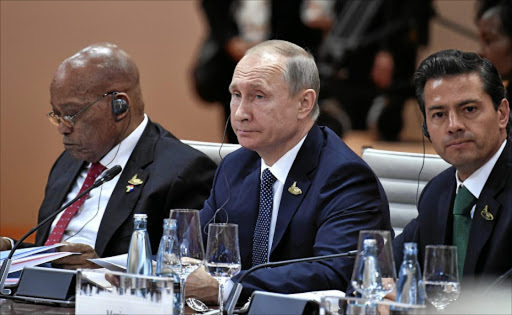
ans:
x=466 y=118
x=98 y=108
x=295 y=189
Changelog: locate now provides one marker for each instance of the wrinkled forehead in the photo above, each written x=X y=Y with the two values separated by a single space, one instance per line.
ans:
x=261 y=68
x=82 y=80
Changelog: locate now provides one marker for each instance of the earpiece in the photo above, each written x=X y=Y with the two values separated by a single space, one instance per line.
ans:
x=425 y=130
x=119 y=106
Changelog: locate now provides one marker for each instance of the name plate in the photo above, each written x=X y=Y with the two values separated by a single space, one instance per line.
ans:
x=110 y=292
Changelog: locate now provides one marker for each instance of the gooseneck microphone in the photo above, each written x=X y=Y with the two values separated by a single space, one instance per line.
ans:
x=109 y=174
x=237 y=288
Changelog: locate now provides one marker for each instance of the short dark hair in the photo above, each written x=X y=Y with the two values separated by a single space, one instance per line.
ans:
x=452 y=62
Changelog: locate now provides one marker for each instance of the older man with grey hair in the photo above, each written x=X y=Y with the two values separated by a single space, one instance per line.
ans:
x=294 y=189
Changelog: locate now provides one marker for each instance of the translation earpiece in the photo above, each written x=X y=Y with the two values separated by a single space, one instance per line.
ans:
x=119 y=106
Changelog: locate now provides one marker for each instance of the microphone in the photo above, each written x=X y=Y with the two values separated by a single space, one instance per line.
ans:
x=237 y=288
x=109 y=174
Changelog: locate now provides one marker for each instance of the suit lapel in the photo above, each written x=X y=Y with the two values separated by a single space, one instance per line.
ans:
x=481 y=229
x=306 y=161
x=122 y=203
x=247 y=212
x=437 y=218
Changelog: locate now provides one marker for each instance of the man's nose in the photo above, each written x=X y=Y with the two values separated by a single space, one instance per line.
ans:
x=63 y=129
x=241 y=111
x=455 y=123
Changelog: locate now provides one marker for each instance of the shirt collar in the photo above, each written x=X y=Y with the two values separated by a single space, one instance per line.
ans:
x=476 y=181
x=282 y=167
x=120 y=154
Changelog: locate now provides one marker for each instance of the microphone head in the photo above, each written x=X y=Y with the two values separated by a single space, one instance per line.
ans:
x=112 y=172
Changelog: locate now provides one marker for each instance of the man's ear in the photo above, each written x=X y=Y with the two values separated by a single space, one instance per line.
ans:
x=503 y=113
x=307 y=102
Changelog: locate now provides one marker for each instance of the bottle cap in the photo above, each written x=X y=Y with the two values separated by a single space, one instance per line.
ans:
x=410 y=247
x=169 y=223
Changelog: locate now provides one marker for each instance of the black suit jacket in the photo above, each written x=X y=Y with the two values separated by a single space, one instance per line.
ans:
x=174 y=175
x=489 y=251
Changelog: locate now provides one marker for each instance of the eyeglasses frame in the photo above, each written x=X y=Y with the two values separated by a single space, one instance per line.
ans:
x=69 y=121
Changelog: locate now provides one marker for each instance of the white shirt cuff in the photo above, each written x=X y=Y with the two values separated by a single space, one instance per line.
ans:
x=227 y=290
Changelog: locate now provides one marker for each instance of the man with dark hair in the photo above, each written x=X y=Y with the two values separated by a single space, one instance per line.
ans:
x=294 y=189
x=469 y=205
x=98 y=108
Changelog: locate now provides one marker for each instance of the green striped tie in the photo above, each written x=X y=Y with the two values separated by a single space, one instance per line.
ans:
x=464 y=201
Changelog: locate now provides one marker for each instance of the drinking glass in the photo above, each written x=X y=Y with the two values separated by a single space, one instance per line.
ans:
x=222 y=255
x=441 y=276
x=374 y=272
x=190 y=246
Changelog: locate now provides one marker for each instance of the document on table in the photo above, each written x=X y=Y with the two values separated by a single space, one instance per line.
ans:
x=114 y=263
x=33 y=256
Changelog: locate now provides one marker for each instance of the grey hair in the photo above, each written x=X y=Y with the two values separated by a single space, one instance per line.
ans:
x=300 y=72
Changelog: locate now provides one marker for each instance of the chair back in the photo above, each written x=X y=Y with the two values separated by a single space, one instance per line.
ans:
x=399 y=173
x=211 y=149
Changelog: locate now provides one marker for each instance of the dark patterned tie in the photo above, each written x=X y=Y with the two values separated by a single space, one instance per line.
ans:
x=57 y=232
x=464 y=201
x=260 y=241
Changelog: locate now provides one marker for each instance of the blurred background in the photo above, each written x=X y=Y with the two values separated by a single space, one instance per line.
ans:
x=164 y=38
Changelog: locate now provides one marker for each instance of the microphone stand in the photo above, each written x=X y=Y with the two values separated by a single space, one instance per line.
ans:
x=111 y=173
x=237 y=289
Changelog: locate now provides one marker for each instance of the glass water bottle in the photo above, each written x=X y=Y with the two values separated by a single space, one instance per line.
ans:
x=139 y=253
x=409 y=289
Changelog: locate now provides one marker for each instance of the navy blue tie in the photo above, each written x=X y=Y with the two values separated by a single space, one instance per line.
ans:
x=261 y=231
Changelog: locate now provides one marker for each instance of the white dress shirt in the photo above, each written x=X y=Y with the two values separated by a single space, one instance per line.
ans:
x=83 y=227
x=475 y=182
x=280 y=170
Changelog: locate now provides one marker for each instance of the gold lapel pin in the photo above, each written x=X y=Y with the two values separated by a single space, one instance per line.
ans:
x=294 y=190
x=135 y=181
x=486 y=214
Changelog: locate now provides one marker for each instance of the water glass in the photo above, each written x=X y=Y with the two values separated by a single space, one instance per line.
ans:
x=222 y=255
x=374 y=272
x=190 y=246
x=441 y=276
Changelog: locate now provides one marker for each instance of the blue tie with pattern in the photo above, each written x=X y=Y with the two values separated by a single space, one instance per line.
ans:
x=260 y=241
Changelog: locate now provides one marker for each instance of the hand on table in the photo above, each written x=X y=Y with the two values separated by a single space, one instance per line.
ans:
x=201 y=285
x=76 y=261
x=5 y=244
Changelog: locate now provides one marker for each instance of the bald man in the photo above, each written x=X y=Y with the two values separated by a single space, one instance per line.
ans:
x=97 y=107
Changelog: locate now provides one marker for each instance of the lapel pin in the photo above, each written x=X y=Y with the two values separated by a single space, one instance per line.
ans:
x=486 y=214
x=135 y=181
x=294 y=190
x=129 y=188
